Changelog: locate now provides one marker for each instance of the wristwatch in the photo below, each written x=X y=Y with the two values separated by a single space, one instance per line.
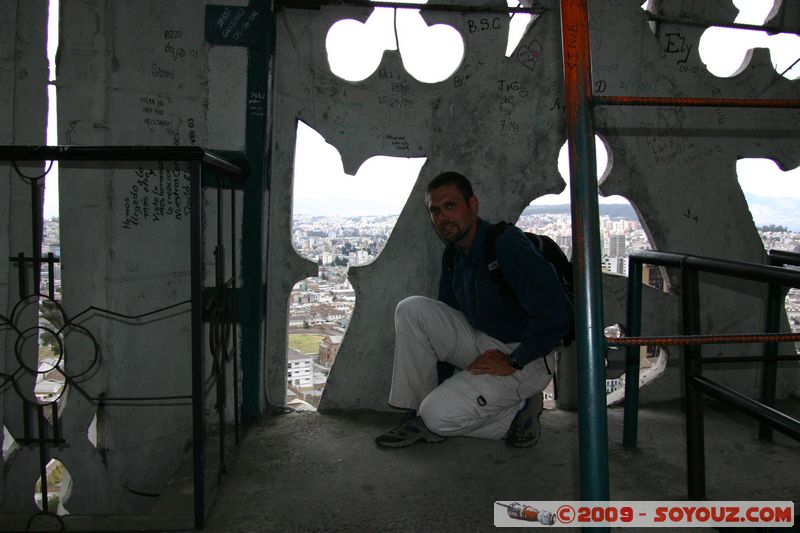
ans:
x=513 y=363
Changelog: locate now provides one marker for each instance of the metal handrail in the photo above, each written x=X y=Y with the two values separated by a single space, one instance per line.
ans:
x=706 y=23
x=119 y=153
x=691 y=265
x=463 y=7
x=725 y=267
x=783 y=257
x=765 y=413
x=199 y=159
x=768 y=103
x=684 y=340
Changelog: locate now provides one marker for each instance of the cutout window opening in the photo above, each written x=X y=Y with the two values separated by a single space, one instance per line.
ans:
x=338 y=221
x=773 y=197
x=621 y=232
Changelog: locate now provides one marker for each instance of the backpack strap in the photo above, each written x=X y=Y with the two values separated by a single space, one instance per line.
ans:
x=551 y=252
x=490 y=251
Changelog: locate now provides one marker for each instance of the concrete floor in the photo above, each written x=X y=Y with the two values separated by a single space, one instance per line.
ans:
x=314 y=472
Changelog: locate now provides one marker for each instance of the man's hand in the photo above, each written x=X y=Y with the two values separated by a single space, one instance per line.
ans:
x=492 y=362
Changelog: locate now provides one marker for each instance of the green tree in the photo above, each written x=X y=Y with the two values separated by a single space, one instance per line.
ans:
x=50 y=311
x=774 y=228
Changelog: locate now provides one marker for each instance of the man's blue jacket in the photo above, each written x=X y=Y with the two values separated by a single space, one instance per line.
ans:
x=538 y=313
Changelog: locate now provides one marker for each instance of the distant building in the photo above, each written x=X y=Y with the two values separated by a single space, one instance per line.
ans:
x=50 y=381
x=300 y=405
x=328 y=348
x=565 y=243
x=299 y=370
x=616 y=245
x=334 y=316
x=614 y=384
x=297 y=297
x=342 y=293
x=359 y=257
x=651 y=275
x=298 y=321
x=615 y=265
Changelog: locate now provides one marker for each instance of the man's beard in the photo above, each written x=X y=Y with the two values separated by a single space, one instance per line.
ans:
x=459 y=234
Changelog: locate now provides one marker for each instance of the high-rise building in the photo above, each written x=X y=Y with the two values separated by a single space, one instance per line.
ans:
x=616 y=245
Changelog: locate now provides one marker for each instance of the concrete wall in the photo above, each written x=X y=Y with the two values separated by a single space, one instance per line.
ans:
x=23 y=108
x=138 y=73
x=7 y=70
x=500 y=121
x=129 y=73
x=449 y=123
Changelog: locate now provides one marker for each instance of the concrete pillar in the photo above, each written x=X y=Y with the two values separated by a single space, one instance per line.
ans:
x=131 y=73
x=454 y=124
x=23 y=111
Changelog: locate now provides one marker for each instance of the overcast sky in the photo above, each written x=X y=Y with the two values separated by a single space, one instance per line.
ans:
x=382 y=183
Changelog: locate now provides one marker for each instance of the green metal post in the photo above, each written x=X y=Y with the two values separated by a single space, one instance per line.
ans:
x=692 y=367
x=253 y=27
x=634 y=329
x=769 y=373
x=254 y=252
x=198 y=350
x=593 y=425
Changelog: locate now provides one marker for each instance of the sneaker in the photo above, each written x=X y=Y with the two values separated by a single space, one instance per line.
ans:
x=410 y=431
x=525 y=428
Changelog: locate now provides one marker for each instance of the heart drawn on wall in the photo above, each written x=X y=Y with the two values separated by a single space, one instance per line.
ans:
x=528 y=55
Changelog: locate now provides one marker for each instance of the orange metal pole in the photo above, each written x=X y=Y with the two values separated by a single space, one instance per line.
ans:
x=695 y=102
x=592 y=422
x=703 y=339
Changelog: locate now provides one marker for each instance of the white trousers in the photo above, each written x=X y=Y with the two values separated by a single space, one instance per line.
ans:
x=471 y=405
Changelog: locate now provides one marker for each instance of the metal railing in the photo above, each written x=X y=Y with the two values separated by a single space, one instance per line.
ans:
x=217 y=309
x=579 y=107
x=695 y=384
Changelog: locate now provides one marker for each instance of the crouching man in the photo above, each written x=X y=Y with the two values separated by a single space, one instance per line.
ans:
x=501 y=335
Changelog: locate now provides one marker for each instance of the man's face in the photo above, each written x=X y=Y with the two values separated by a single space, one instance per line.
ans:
x=453 y=217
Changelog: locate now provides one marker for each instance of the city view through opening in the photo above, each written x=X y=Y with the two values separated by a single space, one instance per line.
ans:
x=337 y=226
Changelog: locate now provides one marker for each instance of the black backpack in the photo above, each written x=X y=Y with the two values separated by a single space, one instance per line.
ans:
x=550 y=250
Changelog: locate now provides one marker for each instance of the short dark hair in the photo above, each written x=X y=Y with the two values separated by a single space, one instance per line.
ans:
x=451 y=178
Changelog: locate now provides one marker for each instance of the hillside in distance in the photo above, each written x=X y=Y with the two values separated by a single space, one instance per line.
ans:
x=765 y=211
x=777 y=211
x=611 y=210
